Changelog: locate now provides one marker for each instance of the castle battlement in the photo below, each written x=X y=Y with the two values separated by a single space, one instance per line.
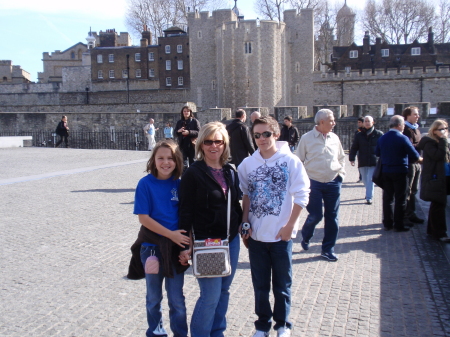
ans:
x=407 y=73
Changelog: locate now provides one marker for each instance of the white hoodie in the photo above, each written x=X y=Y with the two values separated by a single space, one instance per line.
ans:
x=273 y=186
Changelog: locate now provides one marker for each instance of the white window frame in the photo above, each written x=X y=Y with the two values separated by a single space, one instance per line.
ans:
x=100 y=74
x=179 y=49
x=151 y=72
x=137 y=57
x=384 y=52
x=168 y=65
x=138 y=73
x=168 y=81
x=180 y=64
x=124 y=73
x=415 y=51
x=151 y=56
x=353 y=54
x=111 y=58
x=99 y=58
x=111 y=74
x=180 y=81
x=348 y=69
x=167 y=49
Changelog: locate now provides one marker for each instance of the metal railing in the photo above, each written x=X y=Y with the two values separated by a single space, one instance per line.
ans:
x=137 y=141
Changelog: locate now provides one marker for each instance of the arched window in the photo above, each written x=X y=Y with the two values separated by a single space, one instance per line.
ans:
x=5 y=79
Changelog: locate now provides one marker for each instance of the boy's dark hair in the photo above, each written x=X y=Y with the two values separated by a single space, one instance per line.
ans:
x=361 y=119
x=239 y=113
x=176 y=154
x=270 y=121
x=289 y=118
x=191 y=115
x=408 y=111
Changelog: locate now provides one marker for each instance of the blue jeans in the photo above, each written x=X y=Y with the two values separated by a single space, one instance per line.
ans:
x=271 y=260
x=174 y=289
x=366 y=175
x=330 y=193
x=292 y=148
x=208 y=318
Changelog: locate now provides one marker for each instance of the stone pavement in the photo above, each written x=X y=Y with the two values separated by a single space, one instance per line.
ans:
x=67 y=224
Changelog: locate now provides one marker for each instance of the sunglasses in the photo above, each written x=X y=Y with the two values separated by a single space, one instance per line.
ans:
x=443 y=129
x=265 y=134
x=209 y=142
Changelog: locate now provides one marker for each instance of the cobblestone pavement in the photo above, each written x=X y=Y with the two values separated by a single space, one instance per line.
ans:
x=67 y=225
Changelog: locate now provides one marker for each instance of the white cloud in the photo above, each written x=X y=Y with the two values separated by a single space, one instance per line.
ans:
x=104 y=8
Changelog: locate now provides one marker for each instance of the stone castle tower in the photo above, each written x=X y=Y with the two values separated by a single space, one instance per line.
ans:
x=345 y=26
x=237 y=62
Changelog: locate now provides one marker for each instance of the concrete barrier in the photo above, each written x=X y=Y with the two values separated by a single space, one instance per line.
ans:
x=15 y=141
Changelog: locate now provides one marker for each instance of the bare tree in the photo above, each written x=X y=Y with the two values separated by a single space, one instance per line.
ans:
x=443 y=22
x=397 y=21
x=270 y=9
x=159 y=15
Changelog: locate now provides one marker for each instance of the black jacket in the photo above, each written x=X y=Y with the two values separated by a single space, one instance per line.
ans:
x=61 y=130
x=241 y=144
x=203 y=205
x=365 y=147
x=191 y=124
x=289 y=135
x=434 y=159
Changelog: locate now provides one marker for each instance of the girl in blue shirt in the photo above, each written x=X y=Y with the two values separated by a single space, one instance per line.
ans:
x=156 y=204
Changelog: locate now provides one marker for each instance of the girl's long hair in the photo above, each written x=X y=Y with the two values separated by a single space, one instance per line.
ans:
x=176 y=155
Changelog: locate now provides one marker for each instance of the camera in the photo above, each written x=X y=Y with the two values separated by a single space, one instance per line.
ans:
x=245 y=226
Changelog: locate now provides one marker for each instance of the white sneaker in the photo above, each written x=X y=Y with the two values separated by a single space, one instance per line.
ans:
x=283 y=332
x=260 y=333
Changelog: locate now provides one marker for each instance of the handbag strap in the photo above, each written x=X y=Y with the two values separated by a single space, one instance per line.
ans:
x=228 y=210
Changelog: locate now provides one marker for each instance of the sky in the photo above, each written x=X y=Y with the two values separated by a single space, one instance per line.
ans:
x=29 y=28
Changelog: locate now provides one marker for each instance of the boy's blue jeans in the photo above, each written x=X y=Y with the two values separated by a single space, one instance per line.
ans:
x=208 y=319
x=271 y=263
x=174 y=289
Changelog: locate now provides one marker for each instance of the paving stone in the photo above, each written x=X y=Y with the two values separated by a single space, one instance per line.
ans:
x=66 y=233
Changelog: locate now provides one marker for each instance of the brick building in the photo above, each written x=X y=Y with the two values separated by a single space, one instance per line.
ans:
x=382 y=55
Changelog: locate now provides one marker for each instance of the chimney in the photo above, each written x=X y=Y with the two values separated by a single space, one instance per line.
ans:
x=366 y=43
x=431 y=41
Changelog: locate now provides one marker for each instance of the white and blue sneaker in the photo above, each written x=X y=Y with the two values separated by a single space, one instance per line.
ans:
x=260 y=333
x=284 y=332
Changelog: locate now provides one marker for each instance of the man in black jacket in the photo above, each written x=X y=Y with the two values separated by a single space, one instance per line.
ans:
x=241 y=144
x=289 y=133
x=364 y=145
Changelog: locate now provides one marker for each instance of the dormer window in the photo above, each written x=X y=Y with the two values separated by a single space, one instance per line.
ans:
x=353 y=54
x=415 y=51
x=384 y=52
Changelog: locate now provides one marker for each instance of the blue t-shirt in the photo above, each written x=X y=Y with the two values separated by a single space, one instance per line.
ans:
x=158 y=199
x=151 y=130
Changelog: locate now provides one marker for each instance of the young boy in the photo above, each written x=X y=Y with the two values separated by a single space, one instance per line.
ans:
x=276 y=188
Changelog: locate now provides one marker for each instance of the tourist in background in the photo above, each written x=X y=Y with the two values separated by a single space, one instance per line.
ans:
x=289 y=133
x=395 y=152
x=411 y=116
x=168 y=131
x=241 y=142
x=321 y=152
x=364 y=145
x=187 y=129
x=435 y=183
x=62 y=130
x=150 y=130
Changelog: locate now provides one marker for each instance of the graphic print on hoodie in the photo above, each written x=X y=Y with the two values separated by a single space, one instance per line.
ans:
x=267 y=188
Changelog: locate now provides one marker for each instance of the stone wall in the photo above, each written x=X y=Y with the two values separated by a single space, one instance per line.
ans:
x=389 y=87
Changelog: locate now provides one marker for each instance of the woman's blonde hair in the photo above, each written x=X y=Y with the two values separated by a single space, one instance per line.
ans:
x=176 y=155
x=208 y=130
x=438 y=123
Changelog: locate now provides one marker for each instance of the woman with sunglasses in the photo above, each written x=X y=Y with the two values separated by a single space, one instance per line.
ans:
x=435 y=184
x=203 y=197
